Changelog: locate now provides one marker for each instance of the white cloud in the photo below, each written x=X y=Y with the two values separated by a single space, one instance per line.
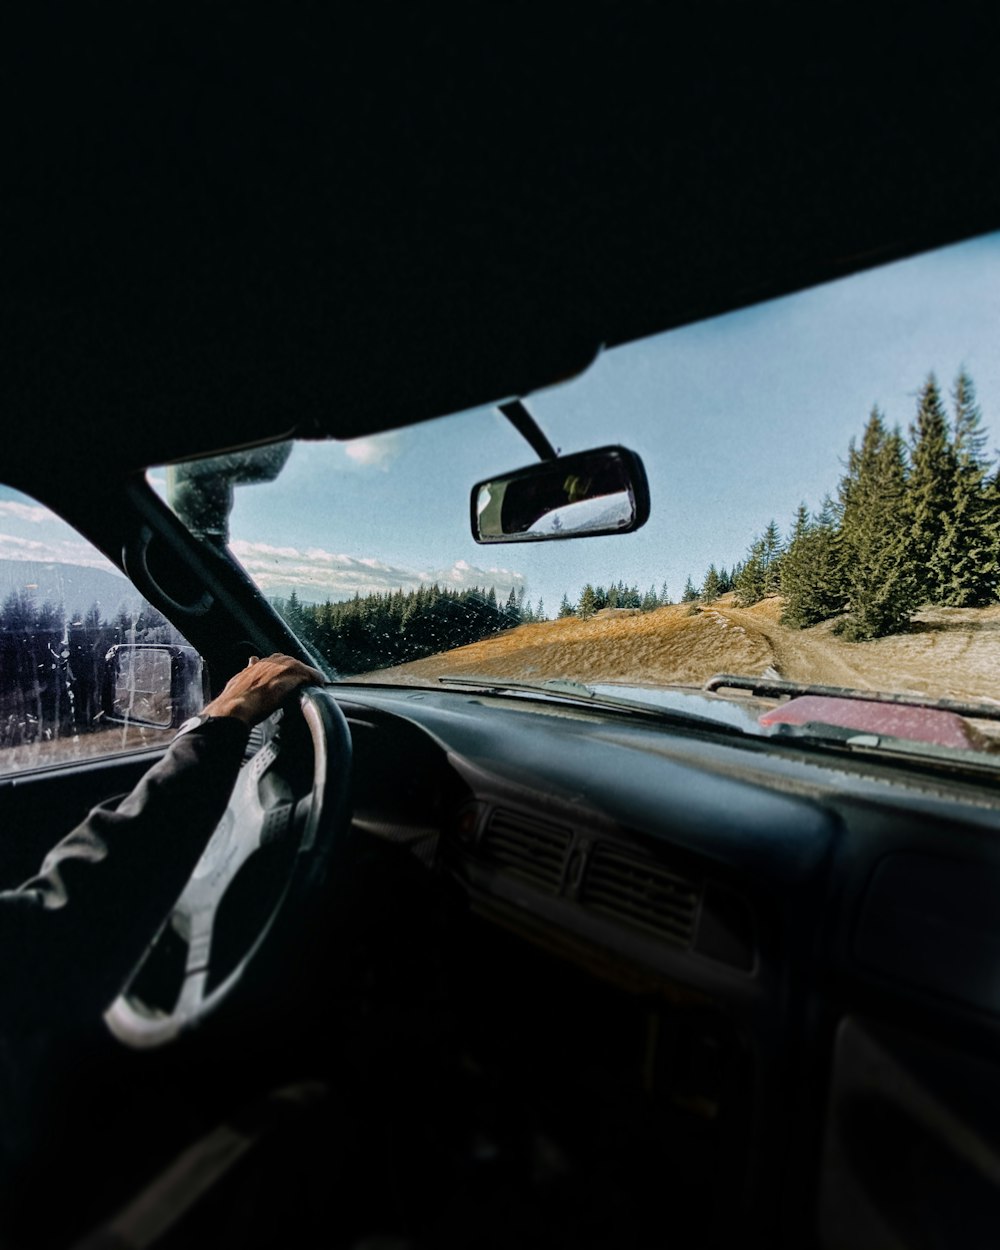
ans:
x=377 y=452
x=316 y=574
x=26 y=512
x=57 y=551
x=264 y=551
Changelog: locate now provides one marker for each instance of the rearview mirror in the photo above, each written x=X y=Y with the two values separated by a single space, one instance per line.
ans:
x=579 y=496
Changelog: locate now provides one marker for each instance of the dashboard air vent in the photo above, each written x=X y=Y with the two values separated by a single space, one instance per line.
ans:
x=642 y=893
x=531 y=848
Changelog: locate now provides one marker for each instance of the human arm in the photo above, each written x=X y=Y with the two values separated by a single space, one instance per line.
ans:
x=72 y=934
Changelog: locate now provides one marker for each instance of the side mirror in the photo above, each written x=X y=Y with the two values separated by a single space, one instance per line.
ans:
x=152 y=684
x=579 y=496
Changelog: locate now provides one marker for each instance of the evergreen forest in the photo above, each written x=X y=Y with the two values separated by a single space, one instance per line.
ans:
x=915 y=521
x=377 y=630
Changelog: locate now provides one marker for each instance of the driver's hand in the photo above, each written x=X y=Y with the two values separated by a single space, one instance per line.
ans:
x=261 y=688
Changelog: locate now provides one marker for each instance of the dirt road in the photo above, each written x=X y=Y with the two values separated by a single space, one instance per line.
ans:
x=798 y=654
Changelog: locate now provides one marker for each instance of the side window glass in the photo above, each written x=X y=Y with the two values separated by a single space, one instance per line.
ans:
x=87 y=666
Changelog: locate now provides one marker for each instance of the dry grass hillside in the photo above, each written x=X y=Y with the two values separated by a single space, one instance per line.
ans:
x=948 y=652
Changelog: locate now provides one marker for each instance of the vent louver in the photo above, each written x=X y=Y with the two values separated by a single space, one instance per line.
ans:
x=531 y=848
x=641 y=892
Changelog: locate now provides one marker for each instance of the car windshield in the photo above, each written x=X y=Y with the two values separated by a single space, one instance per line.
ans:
x=825 y=512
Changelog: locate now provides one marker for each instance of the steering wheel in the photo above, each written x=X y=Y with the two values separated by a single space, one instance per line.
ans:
x=288 y=814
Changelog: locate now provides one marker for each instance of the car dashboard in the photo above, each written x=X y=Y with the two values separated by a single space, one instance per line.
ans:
x=693 y=983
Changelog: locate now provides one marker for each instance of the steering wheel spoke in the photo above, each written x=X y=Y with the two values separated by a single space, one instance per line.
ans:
x=193 y=995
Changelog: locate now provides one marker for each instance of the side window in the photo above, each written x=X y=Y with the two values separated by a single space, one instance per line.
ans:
x=87 y=666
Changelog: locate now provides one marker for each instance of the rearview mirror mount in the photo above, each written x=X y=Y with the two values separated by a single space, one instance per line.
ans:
x=582 y=495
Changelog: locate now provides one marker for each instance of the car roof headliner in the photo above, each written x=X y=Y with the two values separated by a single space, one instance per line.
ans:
x=233 y=224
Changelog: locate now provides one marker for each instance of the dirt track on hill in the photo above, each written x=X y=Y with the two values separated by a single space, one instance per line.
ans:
x=948 y=652
x=802 y=655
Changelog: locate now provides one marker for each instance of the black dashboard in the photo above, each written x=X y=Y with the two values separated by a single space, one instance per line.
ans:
x=767 y=968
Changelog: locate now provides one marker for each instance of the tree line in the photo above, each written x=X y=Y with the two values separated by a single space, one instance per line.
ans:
x=53 y=666
x=915 y=520
x=377 y=630
x=617 y=595
x=394 y=627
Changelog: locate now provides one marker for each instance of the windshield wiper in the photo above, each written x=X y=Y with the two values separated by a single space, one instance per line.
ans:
x=577 y=692
x=838 y=737
x=764 y=687
x=552 y=685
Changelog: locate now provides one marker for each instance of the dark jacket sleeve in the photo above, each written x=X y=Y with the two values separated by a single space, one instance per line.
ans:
x=71 y=935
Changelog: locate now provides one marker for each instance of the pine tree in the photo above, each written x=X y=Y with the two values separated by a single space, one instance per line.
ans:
x=760 y=574
x=880 y=577
x=293 y=612
x=801 y=524
x=664 y=596
x=566 y=608
x=587 y=601
x=690 y=591
x=812 y=569
x=930 y=490
x=49 y=618
x=970 y=437
x=710 y=587
x=771 y=559
x=967 y=560
x=992 y=496
x=125 y=623
x=749 y=581
x=19 y=611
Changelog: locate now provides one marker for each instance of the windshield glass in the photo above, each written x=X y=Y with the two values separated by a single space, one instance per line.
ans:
x=825 y=510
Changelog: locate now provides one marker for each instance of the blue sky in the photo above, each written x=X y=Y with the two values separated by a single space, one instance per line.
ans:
x=737 y=419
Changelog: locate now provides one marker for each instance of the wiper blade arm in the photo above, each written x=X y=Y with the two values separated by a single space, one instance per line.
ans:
x=556 y=685
x=839 y=737
x=763 y=687
x=562 y=688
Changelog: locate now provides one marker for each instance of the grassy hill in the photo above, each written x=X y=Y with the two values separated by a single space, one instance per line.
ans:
x=947 y=652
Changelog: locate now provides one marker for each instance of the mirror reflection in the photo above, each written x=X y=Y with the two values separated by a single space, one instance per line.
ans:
x=590 y=493
x=142 y=686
